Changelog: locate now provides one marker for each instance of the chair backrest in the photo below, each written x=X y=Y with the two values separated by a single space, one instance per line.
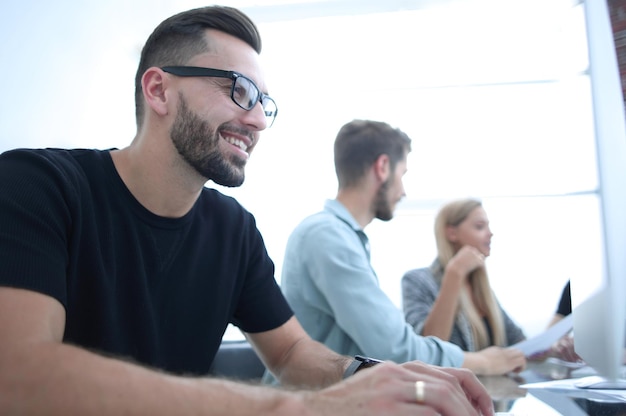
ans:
x=237 y=360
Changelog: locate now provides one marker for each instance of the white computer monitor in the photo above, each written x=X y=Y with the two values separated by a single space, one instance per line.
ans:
x=600 y=319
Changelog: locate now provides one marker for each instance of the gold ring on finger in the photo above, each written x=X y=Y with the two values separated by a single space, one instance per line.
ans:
x=419 y=392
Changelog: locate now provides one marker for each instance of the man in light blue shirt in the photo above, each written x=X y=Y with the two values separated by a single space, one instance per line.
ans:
x=327 y=276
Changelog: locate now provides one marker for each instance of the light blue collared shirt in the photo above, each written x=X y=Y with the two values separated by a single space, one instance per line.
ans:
x=329 y=282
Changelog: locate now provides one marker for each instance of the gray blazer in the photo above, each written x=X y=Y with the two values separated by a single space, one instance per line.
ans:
x=420 y=288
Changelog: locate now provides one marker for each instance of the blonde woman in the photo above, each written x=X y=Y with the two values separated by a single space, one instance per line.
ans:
x=452 y=299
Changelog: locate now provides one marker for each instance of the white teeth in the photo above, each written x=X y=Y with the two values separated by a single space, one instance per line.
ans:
x=240 y=144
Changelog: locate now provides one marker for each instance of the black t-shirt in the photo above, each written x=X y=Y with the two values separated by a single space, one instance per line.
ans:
x=160 y=291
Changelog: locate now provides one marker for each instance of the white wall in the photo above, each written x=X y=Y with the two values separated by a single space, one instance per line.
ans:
x=495 y=99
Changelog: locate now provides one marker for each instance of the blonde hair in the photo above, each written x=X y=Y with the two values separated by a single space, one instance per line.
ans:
x=453 y=214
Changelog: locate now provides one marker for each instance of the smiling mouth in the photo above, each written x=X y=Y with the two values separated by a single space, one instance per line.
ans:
x=238 y=143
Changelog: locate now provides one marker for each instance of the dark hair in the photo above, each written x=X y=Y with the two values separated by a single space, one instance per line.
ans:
x=182 y=36
x=360 y=142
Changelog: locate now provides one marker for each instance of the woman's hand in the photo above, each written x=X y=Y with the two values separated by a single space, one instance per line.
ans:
x=564 y=349
x=495 y=361
x=465 y=261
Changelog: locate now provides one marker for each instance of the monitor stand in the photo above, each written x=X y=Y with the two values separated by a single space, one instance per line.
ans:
x=600 y=383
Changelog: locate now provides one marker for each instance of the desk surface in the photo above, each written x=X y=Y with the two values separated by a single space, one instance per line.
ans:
x=509 y=397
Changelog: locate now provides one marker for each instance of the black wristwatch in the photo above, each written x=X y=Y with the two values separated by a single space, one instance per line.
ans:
x=360 y=363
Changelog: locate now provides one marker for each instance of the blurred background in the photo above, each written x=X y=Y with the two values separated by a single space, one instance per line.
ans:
x=494 y=93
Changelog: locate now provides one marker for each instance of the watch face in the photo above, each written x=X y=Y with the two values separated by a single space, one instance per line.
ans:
x=367 y=362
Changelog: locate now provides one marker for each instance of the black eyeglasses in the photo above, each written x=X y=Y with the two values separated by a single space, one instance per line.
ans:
x=243 y=92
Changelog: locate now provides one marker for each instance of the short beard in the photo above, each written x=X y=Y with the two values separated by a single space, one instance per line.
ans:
x=198 y=144
x=382 y=208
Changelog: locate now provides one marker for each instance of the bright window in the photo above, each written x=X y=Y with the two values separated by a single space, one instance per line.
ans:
x=497 y=101
x=494 y=94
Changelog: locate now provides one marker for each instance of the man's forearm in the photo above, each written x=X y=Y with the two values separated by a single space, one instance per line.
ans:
x=62 y=379
x=310 y=364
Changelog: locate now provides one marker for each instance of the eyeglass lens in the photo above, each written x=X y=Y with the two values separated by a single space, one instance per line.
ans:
x=246 y=94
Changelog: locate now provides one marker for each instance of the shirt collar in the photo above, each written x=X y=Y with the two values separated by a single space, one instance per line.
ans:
x=337 y=208
x=340 y=211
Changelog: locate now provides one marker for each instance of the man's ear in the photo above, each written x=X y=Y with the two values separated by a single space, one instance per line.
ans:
x=154 y=83
x=382 y=167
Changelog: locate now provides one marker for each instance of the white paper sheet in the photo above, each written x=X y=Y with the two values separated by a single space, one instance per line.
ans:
x=544 y=341
x=568 y=387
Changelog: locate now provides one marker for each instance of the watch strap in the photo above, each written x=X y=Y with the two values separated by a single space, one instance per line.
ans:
x=360 y=362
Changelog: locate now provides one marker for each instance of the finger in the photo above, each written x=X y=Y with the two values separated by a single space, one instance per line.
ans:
x=462 y=385
x=437 y=373
x=518 y=361
x=420 y=368
x=449 y=390
x=475 y=390
x=442 y=397
x=411 y=409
